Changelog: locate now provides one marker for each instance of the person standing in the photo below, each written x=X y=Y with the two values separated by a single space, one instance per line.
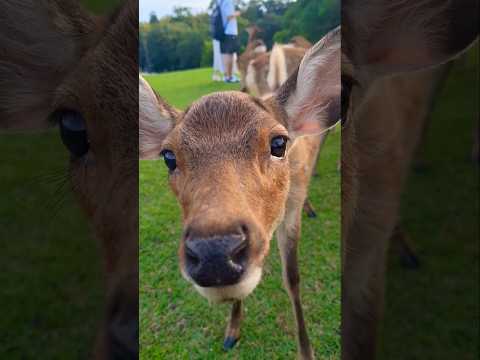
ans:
x=229 y=45
x=218 y=68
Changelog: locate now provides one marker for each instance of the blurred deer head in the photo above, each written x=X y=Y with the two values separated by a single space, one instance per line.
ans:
x=389 y=50
x=62 y=66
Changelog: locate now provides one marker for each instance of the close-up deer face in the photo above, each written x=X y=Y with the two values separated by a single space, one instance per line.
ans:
x=228 y=163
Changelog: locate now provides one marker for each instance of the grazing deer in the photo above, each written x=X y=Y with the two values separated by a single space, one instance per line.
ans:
x=62 y=66
x=385 y=100
x=240 y=167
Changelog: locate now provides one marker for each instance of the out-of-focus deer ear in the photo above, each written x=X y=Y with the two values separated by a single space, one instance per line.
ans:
x=386 y=37
x=42 y=42
x=156 y=119
x=311 y=96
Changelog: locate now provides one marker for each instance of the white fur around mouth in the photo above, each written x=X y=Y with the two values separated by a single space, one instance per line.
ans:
x=232 y=292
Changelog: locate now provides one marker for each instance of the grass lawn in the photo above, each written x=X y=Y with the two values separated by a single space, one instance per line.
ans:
x=433 y=312
x=176 y=322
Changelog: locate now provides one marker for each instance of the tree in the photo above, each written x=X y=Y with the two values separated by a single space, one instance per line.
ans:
x=153 y=18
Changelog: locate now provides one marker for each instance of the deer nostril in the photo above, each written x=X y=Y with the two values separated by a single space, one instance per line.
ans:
x=239 y=254
x=244 y=229
x=191 y=256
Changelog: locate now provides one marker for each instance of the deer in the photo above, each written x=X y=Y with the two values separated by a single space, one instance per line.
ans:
x=78 y=71
x=386 y=95
x=267 y=71
x=255 y=47
x=239 y=167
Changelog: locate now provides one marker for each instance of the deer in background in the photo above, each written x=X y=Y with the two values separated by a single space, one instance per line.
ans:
x=255 y=47
x=240 y=167
x=385 y=98
x=79 y=72
x=267 y=71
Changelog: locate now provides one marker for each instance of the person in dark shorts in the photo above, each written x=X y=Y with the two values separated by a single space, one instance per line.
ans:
x=229 y=46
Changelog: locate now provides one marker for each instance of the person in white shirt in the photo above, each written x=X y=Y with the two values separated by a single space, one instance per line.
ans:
x=229 y=46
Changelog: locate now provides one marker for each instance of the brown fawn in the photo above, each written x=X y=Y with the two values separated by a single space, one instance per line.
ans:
x=240 y=167
x=386 y=97
x=60 y=65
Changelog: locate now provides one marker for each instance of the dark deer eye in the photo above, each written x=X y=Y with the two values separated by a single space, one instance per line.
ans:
x=278 y=146
x=170 y=159
x=73 y=131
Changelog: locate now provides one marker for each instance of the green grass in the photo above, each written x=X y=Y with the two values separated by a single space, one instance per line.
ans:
x=180 y=88
x=433 y=312
x=51 y=274
x=176 y=322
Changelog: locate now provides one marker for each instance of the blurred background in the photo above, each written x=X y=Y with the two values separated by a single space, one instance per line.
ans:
x=174 y=35
x=52 y=295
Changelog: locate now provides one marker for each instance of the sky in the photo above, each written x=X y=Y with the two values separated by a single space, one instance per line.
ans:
x=165 y=7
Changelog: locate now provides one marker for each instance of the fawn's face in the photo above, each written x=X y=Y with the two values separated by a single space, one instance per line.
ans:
x=81 y=74
x=227 y=158
x=96 y=109
x=228 y=162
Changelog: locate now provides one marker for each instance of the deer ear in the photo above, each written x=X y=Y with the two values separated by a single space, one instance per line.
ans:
x=156 y=119
x=42 y=42
x=386 y=37
x=310 y=97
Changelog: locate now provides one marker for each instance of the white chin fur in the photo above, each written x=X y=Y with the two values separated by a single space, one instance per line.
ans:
x=232 y=292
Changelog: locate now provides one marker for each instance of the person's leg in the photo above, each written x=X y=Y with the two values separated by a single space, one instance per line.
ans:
x=228 y=62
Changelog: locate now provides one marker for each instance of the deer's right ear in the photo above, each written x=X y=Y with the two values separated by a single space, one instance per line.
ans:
x=386 y=37
x=156 y=119
x=310 y=98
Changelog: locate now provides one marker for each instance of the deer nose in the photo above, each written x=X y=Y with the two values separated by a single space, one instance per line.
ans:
x=218 y=260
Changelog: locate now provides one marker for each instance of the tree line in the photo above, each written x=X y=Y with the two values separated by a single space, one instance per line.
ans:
x=182 y=41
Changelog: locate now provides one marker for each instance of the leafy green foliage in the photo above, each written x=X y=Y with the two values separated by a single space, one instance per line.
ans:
x=187 y=43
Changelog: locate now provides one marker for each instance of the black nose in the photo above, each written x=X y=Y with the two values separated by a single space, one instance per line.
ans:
x=218 y=260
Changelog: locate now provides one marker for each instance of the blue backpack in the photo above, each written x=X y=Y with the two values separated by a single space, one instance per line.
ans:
x=217 y=30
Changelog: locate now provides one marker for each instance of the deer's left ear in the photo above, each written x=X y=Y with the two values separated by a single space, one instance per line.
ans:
x=42 y=42
x=156 y=119
x=310 y=98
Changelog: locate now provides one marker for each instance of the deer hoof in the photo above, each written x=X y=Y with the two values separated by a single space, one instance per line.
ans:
x=311 y=214
x=229 y=343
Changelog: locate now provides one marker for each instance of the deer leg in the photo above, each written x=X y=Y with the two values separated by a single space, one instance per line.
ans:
x=232 y=333
x=308 y=208
x=288 y=236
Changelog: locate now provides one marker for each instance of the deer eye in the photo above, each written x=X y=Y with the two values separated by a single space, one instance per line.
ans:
x=170 y=159
x=73 y=131
x=278 y=146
